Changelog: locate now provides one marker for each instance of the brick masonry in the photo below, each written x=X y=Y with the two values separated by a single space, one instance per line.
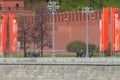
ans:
x=11 y=4
x=60 y=69
x=72 y=26
x=69 y=26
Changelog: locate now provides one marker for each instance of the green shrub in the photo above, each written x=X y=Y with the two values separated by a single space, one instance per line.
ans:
x=92 y=47
x=77 y=45
x=74 y=46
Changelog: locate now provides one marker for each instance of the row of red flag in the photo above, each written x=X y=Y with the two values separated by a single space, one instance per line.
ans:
x=13 y=33
x=115 y=29
x=104 y=32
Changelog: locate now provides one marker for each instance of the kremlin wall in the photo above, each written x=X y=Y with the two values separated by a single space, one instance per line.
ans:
x=11 y=4
x=69 y=26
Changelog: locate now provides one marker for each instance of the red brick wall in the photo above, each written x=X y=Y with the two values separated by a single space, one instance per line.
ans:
x=72 y=26
x=69 y=25
x=12 y=4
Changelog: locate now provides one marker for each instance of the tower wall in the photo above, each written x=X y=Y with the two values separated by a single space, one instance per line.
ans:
x=11 y=4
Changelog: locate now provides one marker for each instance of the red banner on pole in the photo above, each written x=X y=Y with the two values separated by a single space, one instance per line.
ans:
x=104 y=30
x=3 y=34
x=114 y=10
x=115 y=30
x=13 y=33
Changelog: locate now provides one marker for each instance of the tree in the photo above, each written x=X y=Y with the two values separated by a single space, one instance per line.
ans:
x=41 y=31
x=24 y=30
x=38 y=31
x=29 y=4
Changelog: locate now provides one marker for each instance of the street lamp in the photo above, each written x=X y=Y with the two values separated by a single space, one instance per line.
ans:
x=53 y=6
x=87 y=10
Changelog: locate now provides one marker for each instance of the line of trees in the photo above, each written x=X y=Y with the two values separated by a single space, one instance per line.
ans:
x=34 y=29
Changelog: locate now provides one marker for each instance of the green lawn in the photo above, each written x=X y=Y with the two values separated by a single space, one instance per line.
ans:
x=45 y=55
x=60 y=56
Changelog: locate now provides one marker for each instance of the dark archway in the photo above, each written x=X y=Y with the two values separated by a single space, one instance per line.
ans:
x=17 y=6
x=9 y=8
x=0 y=6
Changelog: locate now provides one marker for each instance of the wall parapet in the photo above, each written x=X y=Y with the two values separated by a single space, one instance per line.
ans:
x=76 y=16
x=60 y=61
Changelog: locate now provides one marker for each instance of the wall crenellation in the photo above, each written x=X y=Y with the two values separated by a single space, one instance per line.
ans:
x=76 y=17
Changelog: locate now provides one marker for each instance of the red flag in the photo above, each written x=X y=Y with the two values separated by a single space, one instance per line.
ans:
x=114 y=10
x=114 y=22
x=104 y=29
x=3 y=34
x=13 y=33
x=115 y=30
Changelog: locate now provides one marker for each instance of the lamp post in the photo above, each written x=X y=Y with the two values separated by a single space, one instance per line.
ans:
x=53 y=6
x=87 y=10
